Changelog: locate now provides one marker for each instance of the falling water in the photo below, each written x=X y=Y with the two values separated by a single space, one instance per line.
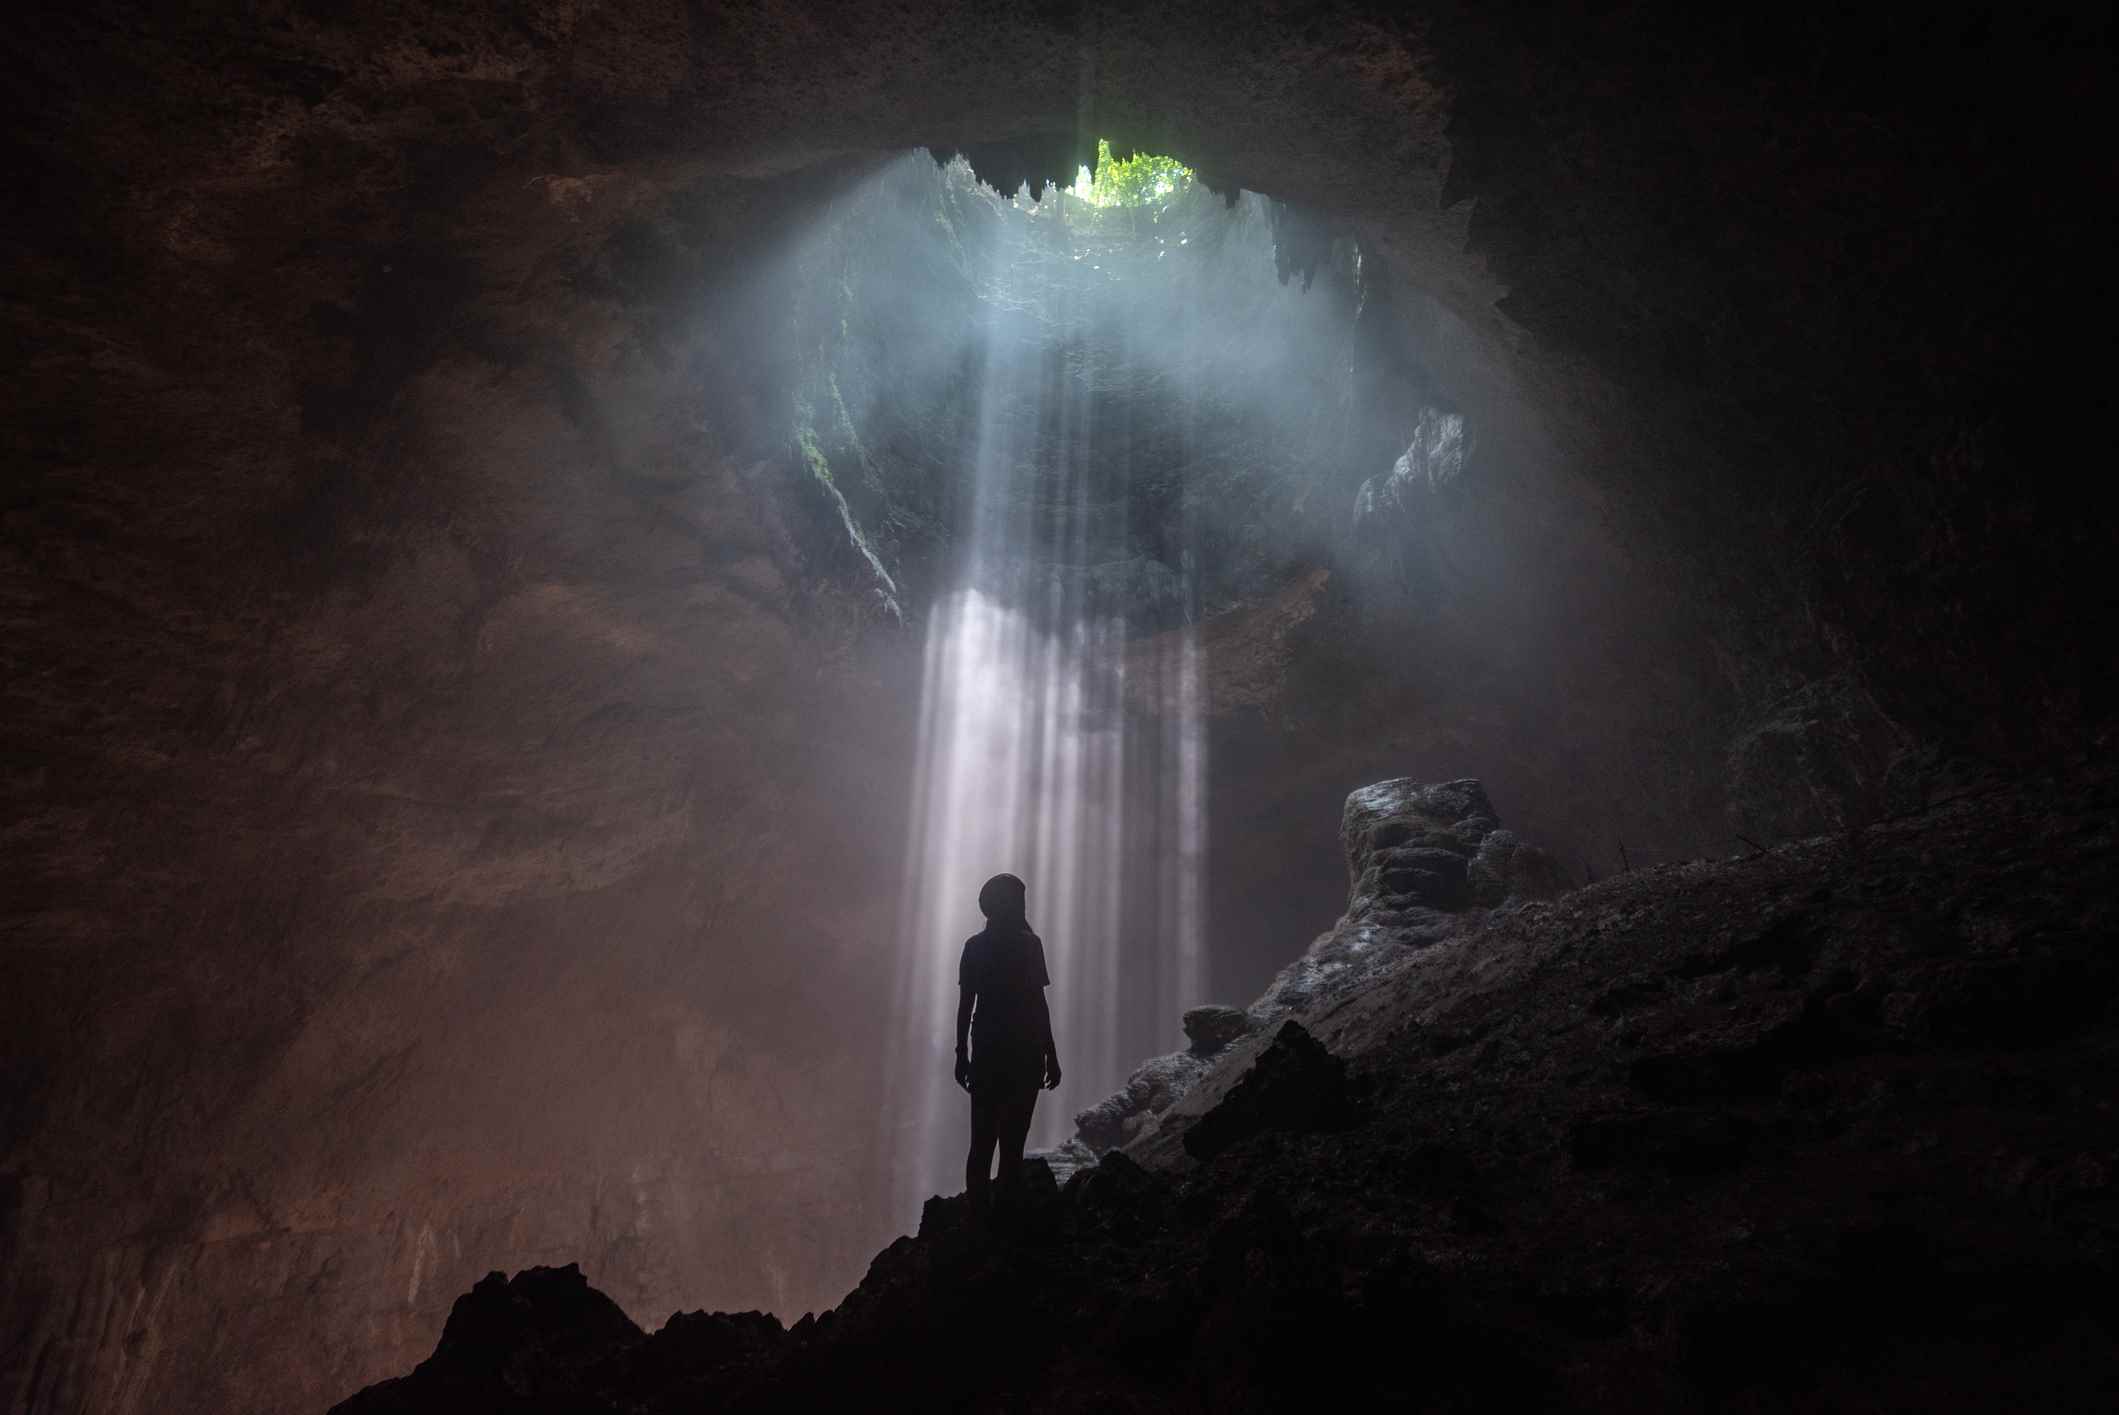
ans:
x=1057 y=741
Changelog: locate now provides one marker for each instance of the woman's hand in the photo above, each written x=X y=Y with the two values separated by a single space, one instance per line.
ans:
x=1052 y=1071
x=963 y=1070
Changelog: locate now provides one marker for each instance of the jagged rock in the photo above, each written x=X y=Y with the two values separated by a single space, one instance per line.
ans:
x=1414 y=865
x=1036 y=160
x=1402 y=518
x=536 y=1340
x=1433 y=877
x=1295 y=1084
x=1116 y=1182
x=1506 y=868
x=1882 y=1144
x=1488 y=873
x=1419 y=857
x=1039 y=1184
x=1066 y=1159
x=1302 y=241
x=720 y=1352
x=1818 y=760
x=1154 y=1085
x=1411 y=842
x=1212 y=1028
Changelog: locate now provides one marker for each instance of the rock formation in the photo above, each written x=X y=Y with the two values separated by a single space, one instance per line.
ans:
x=1424 y=861
x=1823 y=1128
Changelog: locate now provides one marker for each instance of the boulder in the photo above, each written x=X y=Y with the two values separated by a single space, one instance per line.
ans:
x=1213 y=1027
x=1411 y=844
x=1295 y=1084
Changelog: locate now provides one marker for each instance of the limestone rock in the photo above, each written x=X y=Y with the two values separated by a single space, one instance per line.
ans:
x=1417 y=858
x=1507 y=868
x=1411 y=843
x=1403 y=517
x=1295 y=1084
x=1154 y=1085
x=1423 y=859
x=1213 y=1027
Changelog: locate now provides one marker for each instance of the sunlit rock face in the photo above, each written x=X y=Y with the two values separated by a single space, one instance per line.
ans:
x=459 y=750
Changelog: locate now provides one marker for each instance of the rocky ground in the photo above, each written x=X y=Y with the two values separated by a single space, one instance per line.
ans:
x=1827 y=1126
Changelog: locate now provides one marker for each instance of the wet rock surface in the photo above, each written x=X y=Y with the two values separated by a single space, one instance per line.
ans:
x=1828 y=1127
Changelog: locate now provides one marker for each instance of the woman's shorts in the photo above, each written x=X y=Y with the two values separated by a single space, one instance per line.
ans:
x=1007 y=1070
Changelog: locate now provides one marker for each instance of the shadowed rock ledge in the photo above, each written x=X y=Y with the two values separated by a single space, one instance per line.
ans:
x=1828 y=1126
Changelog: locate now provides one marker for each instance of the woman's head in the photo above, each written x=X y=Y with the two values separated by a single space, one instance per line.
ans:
x=1003 y=899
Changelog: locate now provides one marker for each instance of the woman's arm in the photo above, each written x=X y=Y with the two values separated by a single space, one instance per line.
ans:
x=966 y=996
x=1052 y=1066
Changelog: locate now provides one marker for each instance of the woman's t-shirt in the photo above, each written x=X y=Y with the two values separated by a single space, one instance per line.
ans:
x=1006 y=969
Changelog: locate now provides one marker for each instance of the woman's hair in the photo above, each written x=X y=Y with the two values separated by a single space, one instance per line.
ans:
x=1003 y=898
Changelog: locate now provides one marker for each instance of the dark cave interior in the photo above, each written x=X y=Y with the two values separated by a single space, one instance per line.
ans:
x=1597 y=500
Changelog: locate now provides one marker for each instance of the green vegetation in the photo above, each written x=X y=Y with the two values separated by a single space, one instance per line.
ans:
x=1130 y=181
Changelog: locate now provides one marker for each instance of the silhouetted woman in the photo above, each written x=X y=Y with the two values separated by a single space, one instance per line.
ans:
x=1002 y=1009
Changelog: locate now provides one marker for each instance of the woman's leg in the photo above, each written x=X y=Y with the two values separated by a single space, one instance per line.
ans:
x=1015 y=1109
x=984 y=1131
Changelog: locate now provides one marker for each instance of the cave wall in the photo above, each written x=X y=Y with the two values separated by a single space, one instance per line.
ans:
x=431 y=827
x=428 y=725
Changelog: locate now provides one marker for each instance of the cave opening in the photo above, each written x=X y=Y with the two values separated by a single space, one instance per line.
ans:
x=1076 y=423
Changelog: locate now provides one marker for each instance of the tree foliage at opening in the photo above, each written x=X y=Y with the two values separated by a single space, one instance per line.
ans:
x=1131 y=181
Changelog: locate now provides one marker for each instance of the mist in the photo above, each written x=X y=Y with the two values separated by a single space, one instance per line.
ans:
x=1076 y=432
